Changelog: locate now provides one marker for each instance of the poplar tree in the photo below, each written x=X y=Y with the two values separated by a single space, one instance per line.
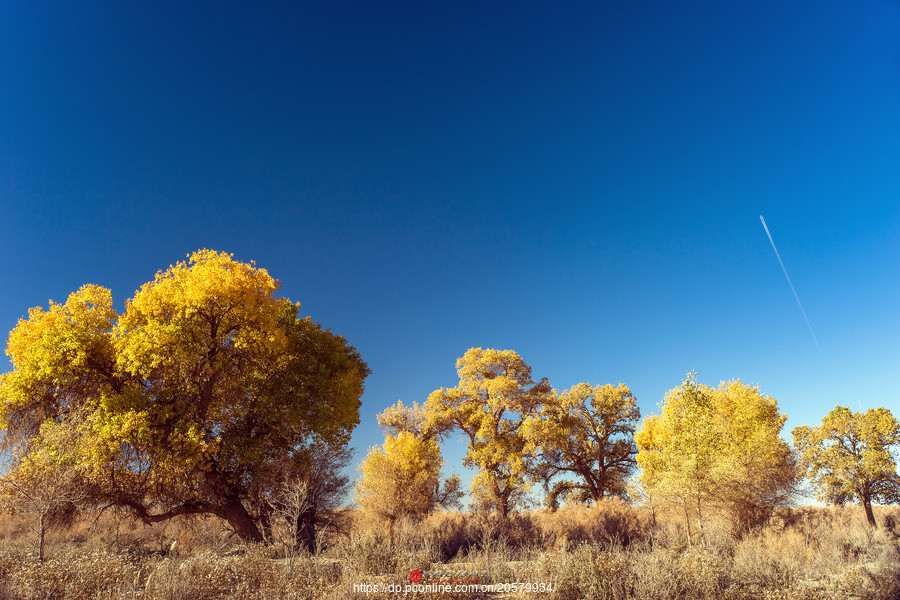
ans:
x=494 y=400
x=200 y=397
x=714 y=450
x=852 y=456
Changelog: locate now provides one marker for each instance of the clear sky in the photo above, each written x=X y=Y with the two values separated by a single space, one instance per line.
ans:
x=580 y=182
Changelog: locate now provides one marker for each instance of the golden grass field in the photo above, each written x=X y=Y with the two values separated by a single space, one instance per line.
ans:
x=611 y=551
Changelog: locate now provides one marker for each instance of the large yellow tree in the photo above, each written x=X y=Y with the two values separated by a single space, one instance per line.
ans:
x=495 y=398
x=586 y=432
x=852 y=456
x=206 y=391
x=717 y=450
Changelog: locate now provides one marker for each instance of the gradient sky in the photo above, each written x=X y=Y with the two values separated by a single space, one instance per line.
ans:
x=579 y=182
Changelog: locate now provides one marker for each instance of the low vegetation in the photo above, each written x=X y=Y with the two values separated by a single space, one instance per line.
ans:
x=609 y=550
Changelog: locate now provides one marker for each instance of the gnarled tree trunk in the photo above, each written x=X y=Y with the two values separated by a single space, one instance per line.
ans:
x=237 y=516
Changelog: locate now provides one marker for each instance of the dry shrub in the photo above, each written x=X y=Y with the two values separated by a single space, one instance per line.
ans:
x=339 y=525
x=10 y=561
x=822 y=553
x=77 y=576
x=444 y=535
x=252 y=576
x=204 y=576
x=367 y=554
x=607 y=522
x=588 y=572
x=636 y=572
x=448 y=533
x=14 y=530
x=117 y=531
x=201 y=533
x=517 y=530
x=209 y=577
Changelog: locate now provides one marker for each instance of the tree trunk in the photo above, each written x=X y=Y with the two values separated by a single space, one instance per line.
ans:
x=503 y=501
x=306 y=530
x=43 y=531
x=265 y=527
x=870 y=516
x=239 y=519
x=699 y=515
x=687 y=521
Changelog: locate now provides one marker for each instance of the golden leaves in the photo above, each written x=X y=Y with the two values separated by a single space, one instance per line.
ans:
x=717 y=447
x=495 y=398
x=401 y=478
x=205 y=368
x=850 y=455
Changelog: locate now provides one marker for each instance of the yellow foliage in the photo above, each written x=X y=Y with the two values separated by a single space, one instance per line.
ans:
x=586 y=432
x=718 y=448
x=495 y=398
x=849 y=457
x=60 y=358
x=401 y=478
x=399 y=418
x=204 y=391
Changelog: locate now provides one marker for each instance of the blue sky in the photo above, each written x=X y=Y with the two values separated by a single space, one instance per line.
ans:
x=581 y=183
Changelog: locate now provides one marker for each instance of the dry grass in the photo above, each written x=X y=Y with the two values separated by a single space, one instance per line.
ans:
x=614 y=552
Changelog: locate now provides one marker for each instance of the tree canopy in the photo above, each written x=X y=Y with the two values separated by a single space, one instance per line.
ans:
x=200 y=396
x=495 y=397
x=402 y=477
x=586 y=432
x=851 y=456
x=718 y=449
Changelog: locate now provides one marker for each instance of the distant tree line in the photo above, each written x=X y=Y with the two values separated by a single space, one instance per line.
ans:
x=709 y=451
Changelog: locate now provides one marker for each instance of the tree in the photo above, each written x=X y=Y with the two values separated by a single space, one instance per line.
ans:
x=717 y=449
x=398 y=419
x=286 y=508
x=399 y=479
x=201 y=396
x=327 y=489
x=677 y=449
x=317 y=473
x=402 y=478
x=851 y=457
x=495 y=397
x=46 y=482
x=759 y=469
x=587 y=432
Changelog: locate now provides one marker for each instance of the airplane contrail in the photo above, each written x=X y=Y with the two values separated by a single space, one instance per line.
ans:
x=788 y=277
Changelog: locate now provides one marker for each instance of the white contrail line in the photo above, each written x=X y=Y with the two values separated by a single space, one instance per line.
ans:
x=788 y=277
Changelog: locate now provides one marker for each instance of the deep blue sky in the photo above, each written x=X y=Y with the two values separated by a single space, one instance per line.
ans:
x=580 y=182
